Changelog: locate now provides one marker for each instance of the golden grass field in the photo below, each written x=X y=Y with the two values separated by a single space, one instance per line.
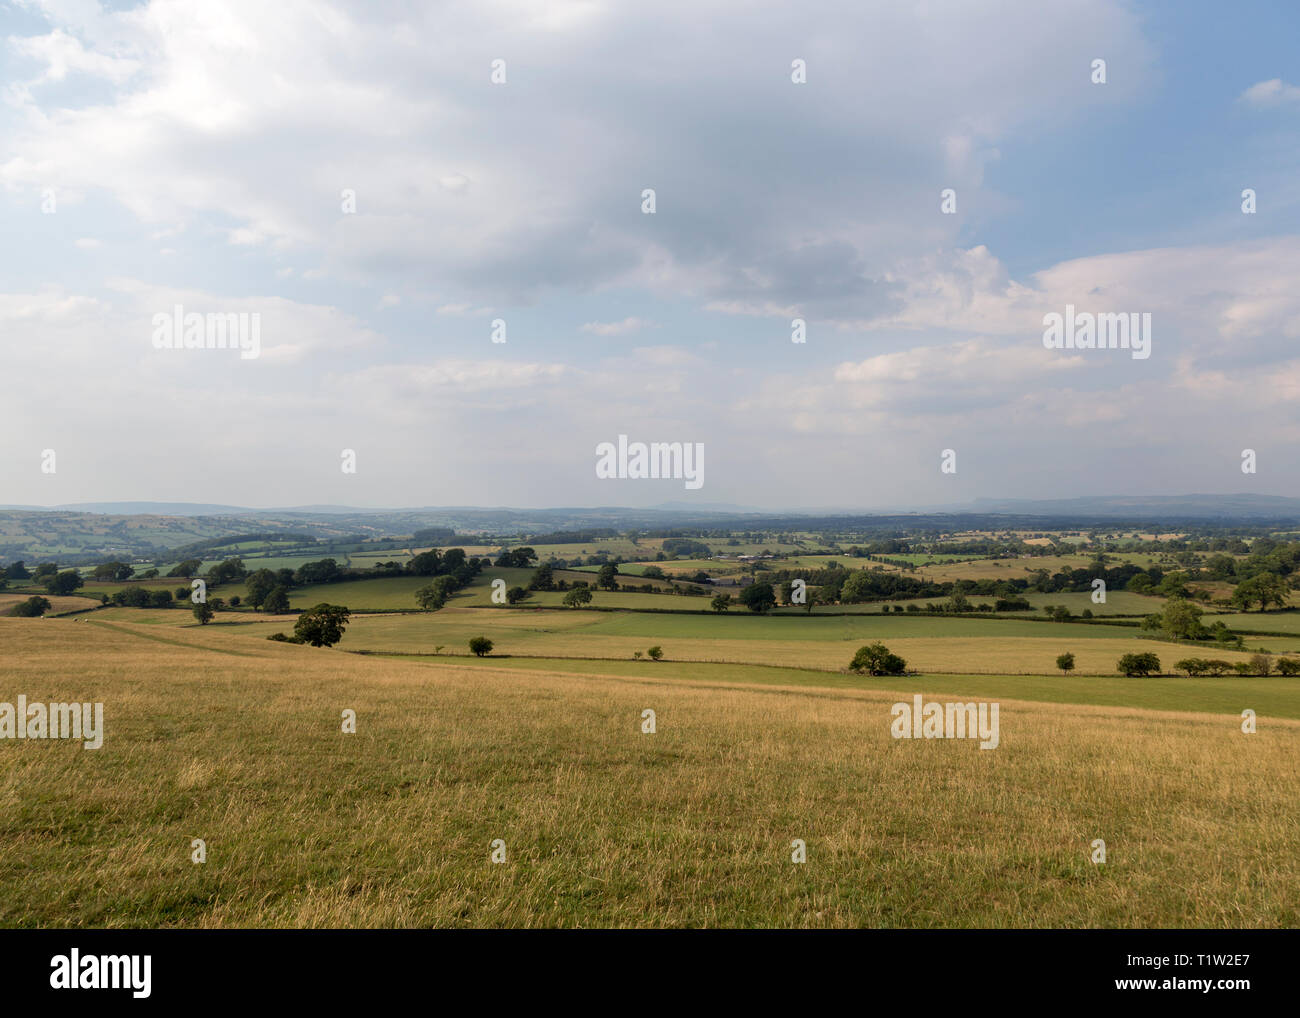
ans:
x=238 y=742
x=58 y=603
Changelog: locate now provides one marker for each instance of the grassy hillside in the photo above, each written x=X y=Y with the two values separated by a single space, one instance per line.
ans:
x=238 y=742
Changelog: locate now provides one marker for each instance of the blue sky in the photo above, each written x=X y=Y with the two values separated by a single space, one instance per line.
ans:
x=197 y=155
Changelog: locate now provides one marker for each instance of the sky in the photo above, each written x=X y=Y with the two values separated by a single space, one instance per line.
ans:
x=379 y=183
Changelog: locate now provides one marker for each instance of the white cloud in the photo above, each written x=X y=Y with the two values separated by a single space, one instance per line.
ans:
x=627 y=325
x=1272 y=93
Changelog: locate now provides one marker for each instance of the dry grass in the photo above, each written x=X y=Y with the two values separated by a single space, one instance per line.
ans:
x=238 y=742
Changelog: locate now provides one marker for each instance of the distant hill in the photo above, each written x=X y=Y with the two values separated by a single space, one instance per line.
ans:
x=1239 y=506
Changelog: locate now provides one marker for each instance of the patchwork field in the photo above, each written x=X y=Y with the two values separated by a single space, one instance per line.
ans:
x=238 y=742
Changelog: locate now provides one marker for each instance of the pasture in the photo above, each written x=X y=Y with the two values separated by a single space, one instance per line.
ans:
x=238 y=742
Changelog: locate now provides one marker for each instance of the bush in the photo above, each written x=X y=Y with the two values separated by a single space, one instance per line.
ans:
x=32 y=608
x=1288 y=666
x=1065 y=662
x=282 y=638
x=1138 y=664
x=1261 y=664
x=480 y=645
x=204 y=613
x=877 y=659
x=1192 y=666
x=1217 y=667
x=655 y=653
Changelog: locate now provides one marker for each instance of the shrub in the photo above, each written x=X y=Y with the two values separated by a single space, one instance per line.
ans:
x=656 y=652
x=1065 y=662
x=204 y=613
x=1192 y=665
x=1288 y=666
x=1217 y=667
x=1261 y=664
x=480 y=645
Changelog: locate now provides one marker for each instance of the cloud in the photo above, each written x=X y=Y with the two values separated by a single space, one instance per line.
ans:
x=790 y=206
x=1271 y=94
x=617 y=328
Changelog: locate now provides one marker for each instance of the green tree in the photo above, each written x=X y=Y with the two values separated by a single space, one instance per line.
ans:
x=480 y=645
x=117 y=571
x=277 y=603
x=877 y=659
x=32 y=608
x=758 y=597
x=188 y=569
x=1138 y=664
x=516 y=594
x=655 y=653
x=259 y=585
x=607 y=578
x=63 y=583
x=1065 y=662
x=323 y=625
x=543 y=578
x=577 y=597
x=1266 y=588
x=227 y=572
x=433 y=595
x=720 y=602
x=204 y=613
x=1182 y=619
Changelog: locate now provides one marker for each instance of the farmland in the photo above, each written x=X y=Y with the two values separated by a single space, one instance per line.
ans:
x=764 y=735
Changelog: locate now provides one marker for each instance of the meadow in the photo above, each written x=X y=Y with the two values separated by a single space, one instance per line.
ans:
x=763 y=736
x=238 y=742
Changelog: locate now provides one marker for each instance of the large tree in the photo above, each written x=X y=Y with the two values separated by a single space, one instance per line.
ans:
x=322 y=626
x=63 y=583
x=758 y=597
